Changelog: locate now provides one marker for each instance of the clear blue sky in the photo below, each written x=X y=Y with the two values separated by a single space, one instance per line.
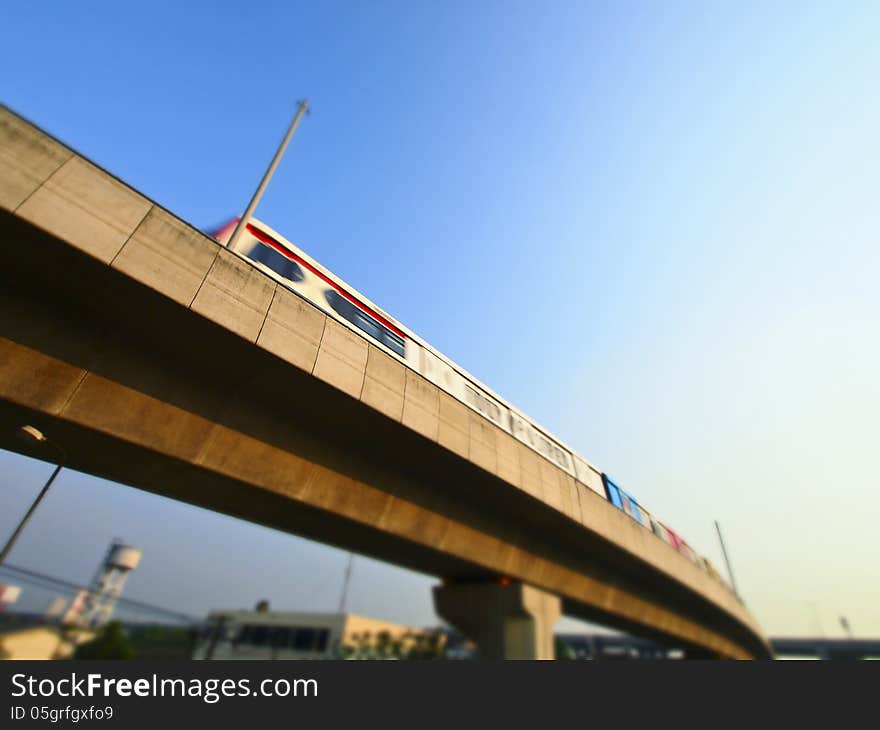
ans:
x=653 y=227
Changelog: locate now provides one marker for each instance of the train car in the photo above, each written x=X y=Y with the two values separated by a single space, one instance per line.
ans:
x=631 y=507
x=297 y=271
x=589 y=475
x=647 y=518
x=710 y=569
x=660 y=531
x=626 y=502
x=680 y=544
x=677 y=542
x=674 y=539
x=689 y=552
x=612 y=491
x=641 y=515
x=272 y=253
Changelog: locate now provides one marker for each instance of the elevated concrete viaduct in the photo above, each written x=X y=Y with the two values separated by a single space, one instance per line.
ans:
x=162 y=361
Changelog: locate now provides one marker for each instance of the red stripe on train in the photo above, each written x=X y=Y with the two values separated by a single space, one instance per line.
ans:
x=269 y=241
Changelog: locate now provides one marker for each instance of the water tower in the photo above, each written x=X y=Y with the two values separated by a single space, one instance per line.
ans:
x=108 y=583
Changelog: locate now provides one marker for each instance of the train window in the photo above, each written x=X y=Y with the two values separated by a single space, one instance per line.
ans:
x=276 y=261
x=365 y=322
x=394 y=342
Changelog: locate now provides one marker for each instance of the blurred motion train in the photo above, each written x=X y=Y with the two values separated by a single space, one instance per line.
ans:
x=298 y=272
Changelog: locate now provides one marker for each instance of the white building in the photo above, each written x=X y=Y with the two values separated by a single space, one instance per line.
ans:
x=261 y=634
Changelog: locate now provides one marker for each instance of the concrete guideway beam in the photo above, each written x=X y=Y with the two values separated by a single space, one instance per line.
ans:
x=507 y=620
x=166 y=362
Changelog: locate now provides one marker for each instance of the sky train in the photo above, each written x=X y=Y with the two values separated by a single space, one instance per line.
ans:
x=297 y=271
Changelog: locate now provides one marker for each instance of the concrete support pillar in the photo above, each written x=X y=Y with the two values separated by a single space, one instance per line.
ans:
x=508 y=621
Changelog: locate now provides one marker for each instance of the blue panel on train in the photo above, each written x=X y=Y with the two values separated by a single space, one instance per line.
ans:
x=613 y=492
x=636 y=512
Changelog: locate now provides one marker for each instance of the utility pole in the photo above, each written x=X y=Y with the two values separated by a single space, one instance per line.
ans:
x=726 y=559
x=279 y=153
x=345 y=582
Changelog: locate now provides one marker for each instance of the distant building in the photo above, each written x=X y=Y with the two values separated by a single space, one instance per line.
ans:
x=263 y=634
x=41 y=642
x=8 y=595
x=616 y=646
x=824 y=648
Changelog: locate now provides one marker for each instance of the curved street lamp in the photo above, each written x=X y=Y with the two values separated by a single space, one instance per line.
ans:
x=36 y=435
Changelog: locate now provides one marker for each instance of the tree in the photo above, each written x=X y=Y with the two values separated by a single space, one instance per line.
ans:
x=427 y=645
x=561 y=650
x=383 y=644
x=111 y=643
x=365 y=646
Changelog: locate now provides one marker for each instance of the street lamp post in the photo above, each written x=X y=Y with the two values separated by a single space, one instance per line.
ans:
x=727 y=560
x=245 y=218
x=37 y=435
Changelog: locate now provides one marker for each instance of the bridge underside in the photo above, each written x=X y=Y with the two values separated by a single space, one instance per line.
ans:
x=143 y=391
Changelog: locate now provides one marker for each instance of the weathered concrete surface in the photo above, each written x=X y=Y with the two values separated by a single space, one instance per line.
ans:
x=83 y=203
x=204 y=379
x=507 y=620
x=168 y=256
x=27 y=159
